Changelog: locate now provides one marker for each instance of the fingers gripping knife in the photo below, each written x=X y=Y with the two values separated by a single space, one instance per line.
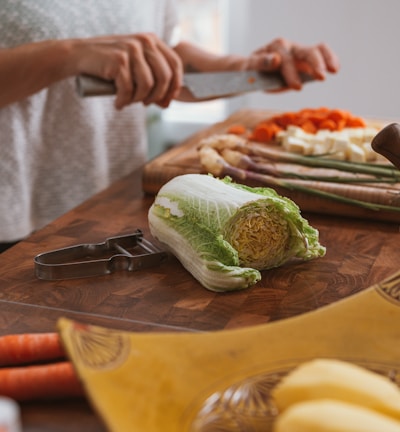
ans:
x=202 y=85
x=129 y=252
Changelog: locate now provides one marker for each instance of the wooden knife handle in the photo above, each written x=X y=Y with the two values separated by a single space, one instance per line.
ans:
x=387 y=143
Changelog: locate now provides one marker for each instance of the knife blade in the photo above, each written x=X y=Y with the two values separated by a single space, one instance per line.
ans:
x=218 y=84
x=202 y=85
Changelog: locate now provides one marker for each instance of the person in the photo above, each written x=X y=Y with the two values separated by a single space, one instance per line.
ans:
x=58 y=149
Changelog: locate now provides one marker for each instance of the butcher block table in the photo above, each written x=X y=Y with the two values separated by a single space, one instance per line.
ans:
x=360 y=252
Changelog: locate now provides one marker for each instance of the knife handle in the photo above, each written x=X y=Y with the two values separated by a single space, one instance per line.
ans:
x=387 y=143
x=87 y=85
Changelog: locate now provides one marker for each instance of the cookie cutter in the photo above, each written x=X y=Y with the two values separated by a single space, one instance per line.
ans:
x=127 y=252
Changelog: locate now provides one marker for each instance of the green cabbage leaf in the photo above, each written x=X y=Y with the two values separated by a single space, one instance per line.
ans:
x=225 y=233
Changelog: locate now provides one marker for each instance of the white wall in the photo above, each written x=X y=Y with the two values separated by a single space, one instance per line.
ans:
x=365 y=34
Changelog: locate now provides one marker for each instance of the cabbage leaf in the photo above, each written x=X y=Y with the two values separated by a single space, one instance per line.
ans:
x=225 y=233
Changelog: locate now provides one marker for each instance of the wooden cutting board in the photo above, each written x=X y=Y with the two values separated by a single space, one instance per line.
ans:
x=183 y=159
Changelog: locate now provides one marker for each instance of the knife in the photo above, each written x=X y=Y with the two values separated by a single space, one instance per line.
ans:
x=202 y=85
x=387 y=143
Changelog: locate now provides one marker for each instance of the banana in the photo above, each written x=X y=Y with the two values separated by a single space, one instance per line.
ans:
x=325 y=415
x=339 y=380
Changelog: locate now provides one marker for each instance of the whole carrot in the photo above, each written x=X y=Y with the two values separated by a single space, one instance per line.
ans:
x=30 y=348
x=38 y=382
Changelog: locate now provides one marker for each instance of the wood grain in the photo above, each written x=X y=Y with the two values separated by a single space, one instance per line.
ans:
x=359 y=253
x=167 y=298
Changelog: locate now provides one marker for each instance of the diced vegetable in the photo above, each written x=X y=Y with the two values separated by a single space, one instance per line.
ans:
x=310 y=120
x=237 y=129
x=224 y=233
x=352 y=144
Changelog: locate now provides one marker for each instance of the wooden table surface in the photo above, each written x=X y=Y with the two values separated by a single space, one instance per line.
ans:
x=359 y=254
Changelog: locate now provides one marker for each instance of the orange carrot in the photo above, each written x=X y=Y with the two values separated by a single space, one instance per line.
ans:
x=263 y=133
x=328 y=124
x=47 y=381
x=275 y=128
x=338 y=115
x=29 y=348
x=341 y=124
x=356 y=122
x=309 y=119
x=237 y=129
x=285 y=119
x=317 y=118
x=309 y=127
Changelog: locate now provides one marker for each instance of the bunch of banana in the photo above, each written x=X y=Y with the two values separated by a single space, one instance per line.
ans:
x=326 y=395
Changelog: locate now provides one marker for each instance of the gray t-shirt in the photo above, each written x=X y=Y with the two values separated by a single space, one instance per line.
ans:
x=56 y=149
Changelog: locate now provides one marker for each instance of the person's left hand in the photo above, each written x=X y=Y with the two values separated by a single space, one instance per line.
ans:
x=291 y=58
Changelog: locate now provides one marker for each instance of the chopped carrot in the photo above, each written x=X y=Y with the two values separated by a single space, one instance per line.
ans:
x=237 y=129
x=356 y=122
x=285 y=119
x=309 y=127
x=263 y=133
x=341 y=124
x=309 y=119
x=337 y=115
x=29 y=348
x=328 y=124
x=322 y=109
x=47 y=381
x=317 y=118
x=275 y=128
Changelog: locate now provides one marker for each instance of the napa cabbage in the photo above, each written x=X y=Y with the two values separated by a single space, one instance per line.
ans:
x=225 y=233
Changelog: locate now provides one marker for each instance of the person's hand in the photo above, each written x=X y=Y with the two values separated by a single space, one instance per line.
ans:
x=143 y=68
x=291 y=58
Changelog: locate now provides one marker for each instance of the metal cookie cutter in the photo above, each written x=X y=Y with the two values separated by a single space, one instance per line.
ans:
x=129 y=252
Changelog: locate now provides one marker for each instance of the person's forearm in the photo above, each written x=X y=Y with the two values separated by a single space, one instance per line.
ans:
x=195 y=59
x=27 y=69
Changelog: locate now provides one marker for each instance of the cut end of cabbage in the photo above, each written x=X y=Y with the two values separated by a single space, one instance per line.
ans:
x=260 y=235
x=224 y=233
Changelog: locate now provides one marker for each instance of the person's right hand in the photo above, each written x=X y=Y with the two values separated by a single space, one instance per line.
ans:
x=143 y=68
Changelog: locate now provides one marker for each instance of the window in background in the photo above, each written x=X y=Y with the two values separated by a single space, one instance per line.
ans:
x=202 y=23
